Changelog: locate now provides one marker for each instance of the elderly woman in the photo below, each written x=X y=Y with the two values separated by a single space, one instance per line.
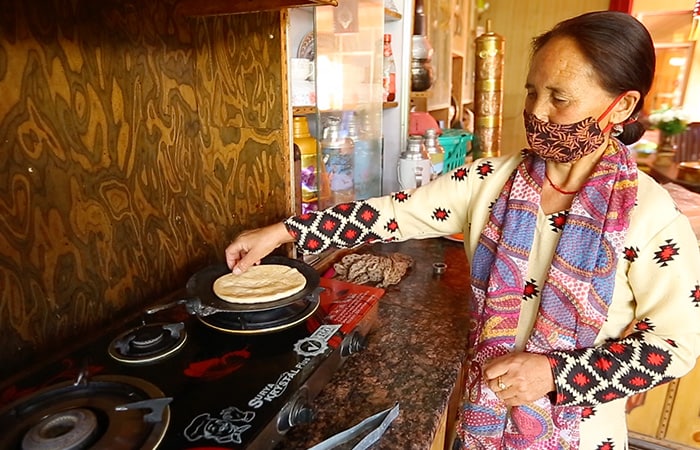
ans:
x=585 y=277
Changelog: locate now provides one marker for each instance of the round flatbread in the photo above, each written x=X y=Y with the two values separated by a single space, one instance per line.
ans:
x=260 y=284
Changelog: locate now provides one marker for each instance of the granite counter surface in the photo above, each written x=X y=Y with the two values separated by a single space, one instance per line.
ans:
x=413 y=356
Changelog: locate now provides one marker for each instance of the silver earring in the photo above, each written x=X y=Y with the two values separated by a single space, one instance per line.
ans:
x=617 y=129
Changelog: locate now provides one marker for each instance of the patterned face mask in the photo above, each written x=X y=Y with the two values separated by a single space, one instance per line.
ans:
x=566 y=142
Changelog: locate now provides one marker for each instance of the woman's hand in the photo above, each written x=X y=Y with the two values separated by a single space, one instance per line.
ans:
x=519 y=378
x=251 y=246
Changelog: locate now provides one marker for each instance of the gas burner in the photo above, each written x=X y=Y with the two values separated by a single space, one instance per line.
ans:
x=72 y=429
x=116 y=412
x=263 y=322
x=148 y=343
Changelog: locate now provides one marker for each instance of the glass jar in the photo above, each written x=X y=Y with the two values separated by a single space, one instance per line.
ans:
x=367 y=170
x=337 y=152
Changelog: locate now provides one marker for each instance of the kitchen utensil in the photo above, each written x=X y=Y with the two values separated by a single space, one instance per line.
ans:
x=256 y=318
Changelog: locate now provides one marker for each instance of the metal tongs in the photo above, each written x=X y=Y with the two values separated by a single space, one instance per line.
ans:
x=374 y=426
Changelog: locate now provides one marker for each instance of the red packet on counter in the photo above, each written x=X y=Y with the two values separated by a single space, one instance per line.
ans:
x=350 y=305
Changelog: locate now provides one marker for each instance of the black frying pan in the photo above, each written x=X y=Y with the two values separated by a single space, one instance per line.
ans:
x=201 y=287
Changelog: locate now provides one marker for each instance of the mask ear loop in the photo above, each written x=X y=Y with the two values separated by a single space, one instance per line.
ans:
x=609 y=126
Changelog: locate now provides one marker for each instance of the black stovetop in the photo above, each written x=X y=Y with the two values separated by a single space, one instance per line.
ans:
x=216 y=389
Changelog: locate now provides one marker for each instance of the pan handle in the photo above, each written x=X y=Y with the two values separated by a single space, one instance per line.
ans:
x=165 y=306
x=193 y=306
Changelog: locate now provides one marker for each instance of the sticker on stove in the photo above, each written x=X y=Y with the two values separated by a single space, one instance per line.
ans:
x=224 y=430
x=274 y=390
x=317 y=343
x=310 y=347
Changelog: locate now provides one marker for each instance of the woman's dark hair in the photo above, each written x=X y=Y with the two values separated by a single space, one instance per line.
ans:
x=620 y=50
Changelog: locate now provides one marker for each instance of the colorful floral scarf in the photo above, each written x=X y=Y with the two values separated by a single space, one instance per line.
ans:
x=574 y=299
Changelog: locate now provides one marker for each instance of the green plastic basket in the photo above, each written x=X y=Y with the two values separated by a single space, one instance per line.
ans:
x=456 y=145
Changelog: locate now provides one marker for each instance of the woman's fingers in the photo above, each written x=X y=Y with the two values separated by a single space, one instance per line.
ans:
x=520 y=377
x=253 y=245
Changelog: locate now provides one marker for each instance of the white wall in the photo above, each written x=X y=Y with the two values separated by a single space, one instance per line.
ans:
x=395 y=120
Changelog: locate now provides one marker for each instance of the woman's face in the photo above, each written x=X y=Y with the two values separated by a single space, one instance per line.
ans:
x=562 y=86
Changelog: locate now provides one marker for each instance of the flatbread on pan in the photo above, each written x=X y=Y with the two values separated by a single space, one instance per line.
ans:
x=259 y=284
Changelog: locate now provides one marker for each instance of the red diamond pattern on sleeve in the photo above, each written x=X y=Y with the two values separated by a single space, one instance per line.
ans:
x=345 y=225
x=617 y=369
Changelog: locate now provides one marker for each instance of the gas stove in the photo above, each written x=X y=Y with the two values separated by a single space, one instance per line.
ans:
x=168 y=379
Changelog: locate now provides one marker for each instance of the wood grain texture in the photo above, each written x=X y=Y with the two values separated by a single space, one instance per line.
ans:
x=134 y=144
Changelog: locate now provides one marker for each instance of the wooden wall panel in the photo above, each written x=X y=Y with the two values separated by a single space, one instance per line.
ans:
x=134 y=144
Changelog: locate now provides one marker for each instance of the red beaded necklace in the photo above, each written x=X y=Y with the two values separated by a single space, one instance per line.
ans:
x=557 y=188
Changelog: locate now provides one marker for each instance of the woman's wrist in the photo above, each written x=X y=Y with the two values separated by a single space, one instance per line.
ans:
x=284 y=236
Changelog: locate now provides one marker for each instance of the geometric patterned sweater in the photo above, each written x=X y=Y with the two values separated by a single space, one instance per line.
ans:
x=652 y=332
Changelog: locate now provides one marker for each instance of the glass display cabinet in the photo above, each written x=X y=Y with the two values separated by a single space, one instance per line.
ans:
x=346 y=50
x=349 y=44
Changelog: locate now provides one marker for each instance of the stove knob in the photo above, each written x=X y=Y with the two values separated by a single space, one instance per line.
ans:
x=296 y=412
x=302 y=415
x=352 y=343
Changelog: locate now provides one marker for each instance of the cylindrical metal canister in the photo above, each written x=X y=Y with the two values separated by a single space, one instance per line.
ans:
x=488 y=93
x=415 y=167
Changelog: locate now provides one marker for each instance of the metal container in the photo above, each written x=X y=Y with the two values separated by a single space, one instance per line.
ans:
x=435 y=151
x=488 y=93
x=415 y=167
x=422 y=75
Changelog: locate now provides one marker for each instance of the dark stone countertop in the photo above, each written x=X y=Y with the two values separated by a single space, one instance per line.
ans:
x=414 y=354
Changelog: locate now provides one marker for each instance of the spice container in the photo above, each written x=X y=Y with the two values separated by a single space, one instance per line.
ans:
x=308 y=164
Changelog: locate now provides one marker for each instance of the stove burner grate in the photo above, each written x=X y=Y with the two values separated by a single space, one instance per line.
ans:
x=148 y=343
x=92 y=414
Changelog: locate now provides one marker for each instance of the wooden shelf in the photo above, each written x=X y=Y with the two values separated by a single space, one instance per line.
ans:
x=303 y=110
x=225 y=7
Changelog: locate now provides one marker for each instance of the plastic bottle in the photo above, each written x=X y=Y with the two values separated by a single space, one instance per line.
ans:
x=309 y=162
x=337 y=153
x=389 y=74
x=367 y=170
x=435 y=151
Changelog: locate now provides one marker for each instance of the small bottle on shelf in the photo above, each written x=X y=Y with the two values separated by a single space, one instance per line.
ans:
x=389 y=74
x=308 y=162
